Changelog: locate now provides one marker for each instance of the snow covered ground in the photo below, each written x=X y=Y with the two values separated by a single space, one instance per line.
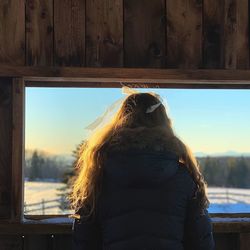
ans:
x=229 y=200
x=42 y=198
x=45 y=199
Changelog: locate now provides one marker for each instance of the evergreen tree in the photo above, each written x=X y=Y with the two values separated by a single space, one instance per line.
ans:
x=36 y=166
x=238 y=175
x=68 y=178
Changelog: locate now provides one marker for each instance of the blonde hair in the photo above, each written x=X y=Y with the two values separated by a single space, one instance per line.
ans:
x=92 y=155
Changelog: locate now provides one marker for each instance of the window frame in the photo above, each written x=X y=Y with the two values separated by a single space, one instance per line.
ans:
x=23 y=77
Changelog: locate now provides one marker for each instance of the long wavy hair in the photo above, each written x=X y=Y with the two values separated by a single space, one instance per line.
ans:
x=86 y=187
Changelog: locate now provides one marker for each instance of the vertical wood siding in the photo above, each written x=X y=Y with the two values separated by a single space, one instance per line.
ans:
x=104 y=33
x=69 y=32
x=125 y=33
x=12 y=32
x=17 y=151
x=184 y=33
x=38 y=242
x=39 y=32
x=236 y=45
x=227 y=241
x=5 y=146
x=11 y=242
x=244 y=241
x=63 y=242
x=213 y=19
x=144 y=33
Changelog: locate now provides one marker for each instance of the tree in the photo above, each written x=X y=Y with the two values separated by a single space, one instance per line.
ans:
x=36 y=165
x=238 y=175
x=68 y=178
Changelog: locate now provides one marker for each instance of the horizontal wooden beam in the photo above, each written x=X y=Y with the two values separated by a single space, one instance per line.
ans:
x=35 y=228
x=46 y=227
x=135 y=77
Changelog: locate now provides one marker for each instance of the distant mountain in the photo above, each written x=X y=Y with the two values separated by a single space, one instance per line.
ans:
x=200 y=154
x=220 y=154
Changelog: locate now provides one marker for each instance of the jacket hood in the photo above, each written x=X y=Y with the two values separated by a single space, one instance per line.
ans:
x=141 y=157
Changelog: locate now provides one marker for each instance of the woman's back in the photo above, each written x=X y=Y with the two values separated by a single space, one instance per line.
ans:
x=139 y=186
x=145 y=196
x=146 y=208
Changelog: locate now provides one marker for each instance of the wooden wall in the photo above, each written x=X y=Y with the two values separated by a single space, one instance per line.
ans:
x=125 y=33
x=181 y=34
x=5 y=146
x=63 y=242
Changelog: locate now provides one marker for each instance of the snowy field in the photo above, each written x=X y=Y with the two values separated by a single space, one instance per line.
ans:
x=229 y=200
x=43 y=198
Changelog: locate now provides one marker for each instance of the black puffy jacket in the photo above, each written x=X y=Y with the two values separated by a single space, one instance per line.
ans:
x=146 y=203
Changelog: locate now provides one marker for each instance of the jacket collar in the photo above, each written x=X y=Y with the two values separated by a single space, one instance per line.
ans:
x=156 y=139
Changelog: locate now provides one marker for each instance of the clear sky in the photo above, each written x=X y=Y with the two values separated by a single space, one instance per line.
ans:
x=209 y=121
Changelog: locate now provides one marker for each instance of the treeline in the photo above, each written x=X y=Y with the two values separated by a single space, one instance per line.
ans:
x=43 y=167
x=226 y=171
x=218 y=171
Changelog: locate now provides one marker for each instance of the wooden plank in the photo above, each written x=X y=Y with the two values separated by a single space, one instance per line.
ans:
x=184 y=34
x=11 y=242
x=231 y=227
x=229 y=241
x=104 y=33
x=243 y=34
x=236 y=34
x=39 y=32
x=38 y=242
x=69 y=29
x=144 y=33
x=35 y=227
x=43 y=227
x=12 y=32
x=62 y=242
x=213 y=43
x=17 y=149
x=230 y=29
x=199 y=78
x=66 y=83
x=5 y=146
x=244 y=241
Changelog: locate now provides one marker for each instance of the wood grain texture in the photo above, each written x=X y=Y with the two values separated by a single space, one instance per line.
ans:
x=184 y=33
x=40 y=227
x=191 y=78
x=39 y=32
x=144 y=33
x=244 y=241
x=229 y=241
x=213 y=29
x=17 y=149
x=12 y=32
x=62 y=242
x=230 y=31
x=69 y=28
x=236 y=34
x=38 y=242
x=5 y=146
x=35 y=227
x=11 y=242
x=104 y=33
x=243 y=34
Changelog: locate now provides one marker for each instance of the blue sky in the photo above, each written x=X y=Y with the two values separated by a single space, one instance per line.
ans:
x=209 y=121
